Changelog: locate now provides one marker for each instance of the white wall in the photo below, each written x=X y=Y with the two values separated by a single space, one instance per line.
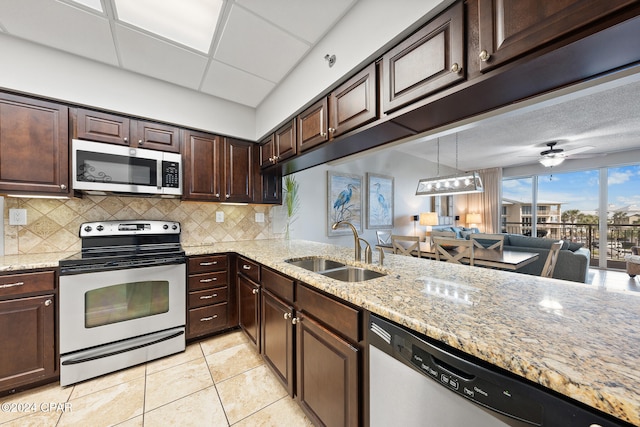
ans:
x=367 y=30
x=405 y=169
x=34 y=69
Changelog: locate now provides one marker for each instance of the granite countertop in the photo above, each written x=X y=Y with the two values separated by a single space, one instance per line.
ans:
x=579 y=340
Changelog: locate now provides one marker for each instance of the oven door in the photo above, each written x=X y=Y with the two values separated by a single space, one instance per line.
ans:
x=104 y=307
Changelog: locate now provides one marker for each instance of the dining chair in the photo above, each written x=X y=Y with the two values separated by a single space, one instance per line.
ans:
x=448 y=234
x=453 y=250
x=411 y=246
x=552 y=259
x=384 y=237
x=487 y=240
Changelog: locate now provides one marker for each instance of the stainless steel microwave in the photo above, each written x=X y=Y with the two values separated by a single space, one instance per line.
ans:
x=100 y=168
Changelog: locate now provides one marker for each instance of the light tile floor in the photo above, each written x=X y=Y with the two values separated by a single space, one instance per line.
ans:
x=221 y=381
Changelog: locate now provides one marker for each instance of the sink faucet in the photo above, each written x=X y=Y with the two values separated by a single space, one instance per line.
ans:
x=356 y=241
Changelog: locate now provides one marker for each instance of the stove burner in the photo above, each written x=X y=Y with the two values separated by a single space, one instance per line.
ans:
x=115 y=245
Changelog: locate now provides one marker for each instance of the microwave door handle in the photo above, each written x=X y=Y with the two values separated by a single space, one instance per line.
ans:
x=159 y=175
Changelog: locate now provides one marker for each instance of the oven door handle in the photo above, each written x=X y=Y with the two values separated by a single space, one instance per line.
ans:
x=123 y=347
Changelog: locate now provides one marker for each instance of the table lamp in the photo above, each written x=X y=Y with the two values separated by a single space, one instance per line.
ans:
x=473 y=219
x=428 y=219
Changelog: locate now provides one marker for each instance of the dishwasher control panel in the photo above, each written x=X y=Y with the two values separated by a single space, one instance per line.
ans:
x=471 y=386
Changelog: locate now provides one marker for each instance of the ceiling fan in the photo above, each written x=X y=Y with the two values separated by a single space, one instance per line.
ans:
x=553 y=156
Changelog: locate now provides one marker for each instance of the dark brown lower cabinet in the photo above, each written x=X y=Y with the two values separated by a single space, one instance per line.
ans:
x=327 y=375
x=248 y=308
x=277 y=338
x=27 y=334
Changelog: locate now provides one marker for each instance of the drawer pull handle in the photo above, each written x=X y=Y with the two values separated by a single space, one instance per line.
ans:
x=206 y=319
x=246 y=267
x=213 y=279
x=204 y=264
x=11 y=285
x=207 y=296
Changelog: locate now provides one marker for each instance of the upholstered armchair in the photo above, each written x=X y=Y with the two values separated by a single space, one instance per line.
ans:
x=633 y=261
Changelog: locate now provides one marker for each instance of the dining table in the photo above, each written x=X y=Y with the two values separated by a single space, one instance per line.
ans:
x=504 y=259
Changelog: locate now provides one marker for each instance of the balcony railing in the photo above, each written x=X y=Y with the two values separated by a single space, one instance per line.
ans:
x=619 y=240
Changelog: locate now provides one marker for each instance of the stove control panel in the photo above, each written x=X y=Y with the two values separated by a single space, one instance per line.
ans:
x=128 y=227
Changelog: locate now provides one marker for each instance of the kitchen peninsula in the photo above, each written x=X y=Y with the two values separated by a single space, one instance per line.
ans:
x=573 y=338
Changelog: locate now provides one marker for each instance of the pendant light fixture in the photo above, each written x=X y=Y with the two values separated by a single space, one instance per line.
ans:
x=468 y=182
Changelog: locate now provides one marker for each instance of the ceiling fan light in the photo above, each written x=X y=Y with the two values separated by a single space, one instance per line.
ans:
x=551 y=161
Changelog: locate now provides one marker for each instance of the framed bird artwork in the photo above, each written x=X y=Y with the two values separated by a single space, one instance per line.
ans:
x=344 y=201
x=379 y=201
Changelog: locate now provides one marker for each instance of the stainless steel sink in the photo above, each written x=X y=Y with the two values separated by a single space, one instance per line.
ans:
x=335 y=269
x=315 y=264
x=352 y=274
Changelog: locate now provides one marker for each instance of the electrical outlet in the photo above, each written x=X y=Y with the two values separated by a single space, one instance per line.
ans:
x=219 y=216
x=259 y=216
x=17 y=217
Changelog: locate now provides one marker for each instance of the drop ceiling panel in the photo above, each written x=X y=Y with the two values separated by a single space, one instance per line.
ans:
x=147 y=55
x=307 y=19
x=248 y=42
x=229 y=83
x=61 y=26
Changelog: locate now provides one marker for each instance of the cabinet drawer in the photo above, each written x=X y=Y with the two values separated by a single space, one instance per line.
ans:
x=15 y=284
x=207 y=280
x=278 y=284
x=207 y=319
x=201 y=264
x=208 y=297
x=249 y=269
x=341 y=317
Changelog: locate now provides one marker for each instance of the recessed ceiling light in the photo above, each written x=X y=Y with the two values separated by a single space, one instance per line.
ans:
x=93 y=4
x=188 y=22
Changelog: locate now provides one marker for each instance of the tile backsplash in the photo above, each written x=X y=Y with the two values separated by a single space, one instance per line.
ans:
x=53 y=225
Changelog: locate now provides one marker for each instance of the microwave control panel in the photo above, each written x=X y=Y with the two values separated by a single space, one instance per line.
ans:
x=170 y=174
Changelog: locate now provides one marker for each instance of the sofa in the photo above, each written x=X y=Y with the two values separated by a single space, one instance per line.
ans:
x=573 y=261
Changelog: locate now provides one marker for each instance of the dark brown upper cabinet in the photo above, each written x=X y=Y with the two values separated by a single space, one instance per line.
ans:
x=238 y=170
x=34 y=146
x=509 y=29
x=114 y=129
x=202 y=166
x=354 y=103
x=312 y=125
x=427 y=61
x=279 y=146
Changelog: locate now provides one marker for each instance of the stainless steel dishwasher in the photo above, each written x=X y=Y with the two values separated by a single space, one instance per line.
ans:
x=414 y=381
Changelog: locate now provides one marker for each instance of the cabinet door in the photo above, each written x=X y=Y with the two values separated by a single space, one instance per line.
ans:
x=354 y=103
x=312 y=126
x=238 y=171
x=271 y=186
x=327 y=375
x=202 y=167
x=285 y=141
x=34 y=146
x=27 y=334
x=156 y=136
x=426 y=62
x=508 y=29
x=277 y=338
x=102 y=127
x=267 y=150
x=248 y=308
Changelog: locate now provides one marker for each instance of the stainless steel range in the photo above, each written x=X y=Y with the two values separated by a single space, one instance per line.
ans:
x=122 y=298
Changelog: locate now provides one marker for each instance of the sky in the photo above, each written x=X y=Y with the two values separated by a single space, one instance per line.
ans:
x=579 y=190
